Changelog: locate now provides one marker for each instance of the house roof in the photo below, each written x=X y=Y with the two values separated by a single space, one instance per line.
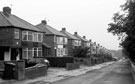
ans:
x=49 y=30
x=79 y=37
x=70 y=36
x=15 y=21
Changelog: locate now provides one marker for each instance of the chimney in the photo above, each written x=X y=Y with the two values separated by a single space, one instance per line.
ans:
x=44 y=22
x=84 y=37
x=90 y=40
x=75 y=33
x=7 y=11
x=63 y=29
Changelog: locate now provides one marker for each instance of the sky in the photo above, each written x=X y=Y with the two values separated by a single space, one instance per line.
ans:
x=89 y=18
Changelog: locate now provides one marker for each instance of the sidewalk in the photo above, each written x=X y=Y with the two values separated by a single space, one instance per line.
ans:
x=56 y=74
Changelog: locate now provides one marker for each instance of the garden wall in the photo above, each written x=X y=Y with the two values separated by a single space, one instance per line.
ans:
x=71 y=66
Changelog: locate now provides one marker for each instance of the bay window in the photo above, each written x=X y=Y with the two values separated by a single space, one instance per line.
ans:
x=32 y=36
x=29 y=53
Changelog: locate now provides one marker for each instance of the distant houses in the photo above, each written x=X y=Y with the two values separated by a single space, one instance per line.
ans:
x=21 y=40
x=73 y=41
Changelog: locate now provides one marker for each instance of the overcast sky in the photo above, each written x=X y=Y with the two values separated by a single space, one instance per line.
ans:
x=87 y=17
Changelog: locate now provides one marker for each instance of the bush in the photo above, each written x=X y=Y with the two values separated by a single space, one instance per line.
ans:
x=80 y=52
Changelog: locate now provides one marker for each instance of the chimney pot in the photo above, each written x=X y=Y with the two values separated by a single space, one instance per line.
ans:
x=44 y=22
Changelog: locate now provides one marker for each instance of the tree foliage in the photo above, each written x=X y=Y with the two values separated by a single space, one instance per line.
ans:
x=123 y=26
x=81 y=52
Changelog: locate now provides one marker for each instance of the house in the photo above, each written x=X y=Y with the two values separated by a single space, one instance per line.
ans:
x=73 y=41
x=18 y=38
x=55 y=39
x=84 y=41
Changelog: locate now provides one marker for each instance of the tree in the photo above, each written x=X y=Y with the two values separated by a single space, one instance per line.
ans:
x=123 y=26
x=82 y=52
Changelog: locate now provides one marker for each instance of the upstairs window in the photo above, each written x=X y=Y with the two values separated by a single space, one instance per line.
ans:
x=65 y=41
x=32 y=36
x=40 y=37
x=24 y=35
x=16 y=33
x=35 y=37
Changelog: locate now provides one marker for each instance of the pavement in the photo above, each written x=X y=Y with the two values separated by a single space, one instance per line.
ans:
x=56 y=74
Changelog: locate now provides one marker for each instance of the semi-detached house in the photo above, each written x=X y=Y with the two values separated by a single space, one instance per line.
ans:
x=73 y=41
x=18 y=38
x=55 y=39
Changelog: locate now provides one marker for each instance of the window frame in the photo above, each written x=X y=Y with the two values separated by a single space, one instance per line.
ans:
x=16 y=33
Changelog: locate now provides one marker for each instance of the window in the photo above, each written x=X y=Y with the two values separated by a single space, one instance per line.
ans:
x=24 y=35
x=55 y=39
x=58 y=52
x=29 y=53
x=32 y=36
x=40 y=37
x=37 y=52
x=65 y=40
x=35 y=37
x=16 y=33
x=58 y=40
x=61 y=52
x=61 y=40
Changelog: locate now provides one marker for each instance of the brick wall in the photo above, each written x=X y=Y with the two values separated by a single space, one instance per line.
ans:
x=6 y=36
x=49 y=40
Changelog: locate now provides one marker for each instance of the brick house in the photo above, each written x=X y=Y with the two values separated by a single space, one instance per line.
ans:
x=18 y=38
x=55 y=39
x=84 y=41
x=73 y=41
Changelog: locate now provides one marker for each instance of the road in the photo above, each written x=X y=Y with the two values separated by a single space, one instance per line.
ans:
x=117 y=73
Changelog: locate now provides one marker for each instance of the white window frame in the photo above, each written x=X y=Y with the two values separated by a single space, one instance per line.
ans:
x=23 y=34
x=16 y=33
x=37 y=49
x=30 y=34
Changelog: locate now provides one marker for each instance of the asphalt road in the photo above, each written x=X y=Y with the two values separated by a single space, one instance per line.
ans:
x=117 y=73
